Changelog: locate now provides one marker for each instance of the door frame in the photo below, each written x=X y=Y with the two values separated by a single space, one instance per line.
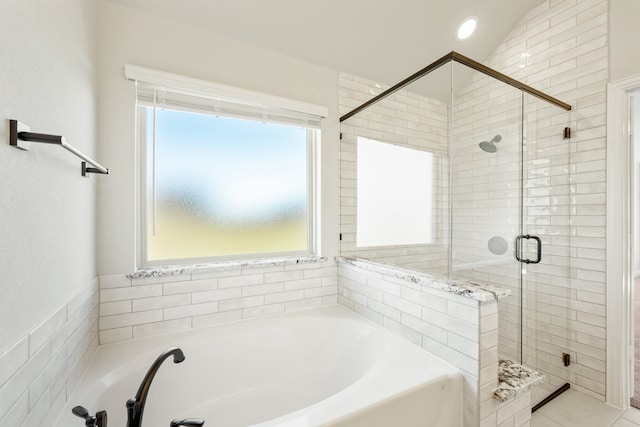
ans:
x=619 y=281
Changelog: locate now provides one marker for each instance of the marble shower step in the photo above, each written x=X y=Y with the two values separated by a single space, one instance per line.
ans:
x=514 y=379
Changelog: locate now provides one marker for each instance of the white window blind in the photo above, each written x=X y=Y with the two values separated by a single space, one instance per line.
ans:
x=165 y=90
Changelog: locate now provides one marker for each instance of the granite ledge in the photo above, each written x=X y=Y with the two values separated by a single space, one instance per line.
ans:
x=463 y=287
x=174 y=270
x=514 y=379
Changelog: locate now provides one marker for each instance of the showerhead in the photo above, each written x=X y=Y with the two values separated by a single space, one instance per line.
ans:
x=490 y=146
x=487 y=146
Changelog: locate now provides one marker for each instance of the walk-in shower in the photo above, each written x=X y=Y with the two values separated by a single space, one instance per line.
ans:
x=420 y=191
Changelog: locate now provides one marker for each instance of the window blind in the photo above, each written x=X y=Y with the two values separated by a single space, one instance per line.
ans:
x=164 y=90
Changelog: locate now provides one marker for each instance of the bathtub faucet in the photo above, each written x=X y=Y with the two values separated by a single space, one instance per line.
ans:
x=135 y=406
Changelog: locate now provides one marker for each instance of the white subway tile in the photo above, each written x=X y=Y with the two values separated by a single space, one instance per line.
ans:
x=38 y=411
x=283 y=297
x=293 y=285
x=330 y=281
x=402 y=305
x=130 y=319
x=232 y=304
x=451 y=324
x=346 y=302
x=353 y=296
x=13 y=359
x=18 y=411
x=158 y=328
x=425 y=328
x=284 y=275
x=369 y=314
x=262 y=310
x=43 y=381
x=267 y=288
x=216 y=295
x=115 y=307
x=303 y=304
x=187 y=286
x=399 y=329
x=369 y=292
x=464 y=346
x=237 y=281
x=328 y=300
x=190 y=310
x=324 y=291
x=510 y=409
x=109 y=336
x=320 y=272
x=151 y=303
x=9 y=392
x=385 y=310
x=217 y=318
x=463 y=312
x=119 y=294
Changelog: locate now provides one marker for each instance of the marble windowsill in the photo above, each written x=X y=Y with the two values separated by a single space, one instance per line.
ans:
x=173 y=270
x=463 y=287
x=514 y=380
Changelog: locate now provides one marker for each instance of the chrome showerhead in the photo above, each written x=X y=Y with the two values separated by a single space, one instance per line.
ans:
x=490 y=146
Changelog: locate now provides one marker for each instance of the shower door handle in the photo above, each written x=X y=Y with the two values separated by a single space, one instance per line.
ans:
x=519 y=249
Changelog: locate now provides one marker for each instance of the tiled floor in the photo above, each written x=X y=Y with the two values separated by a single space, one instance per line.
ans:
x=573 y=408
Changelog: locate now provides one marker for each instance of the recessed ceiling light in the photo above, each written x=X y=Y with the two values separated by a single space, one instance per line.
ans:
x=467 y=27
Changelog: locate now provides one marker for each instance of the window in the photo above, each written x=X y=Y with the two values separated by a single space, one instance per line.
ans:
x=395 y=187
x=222 y=177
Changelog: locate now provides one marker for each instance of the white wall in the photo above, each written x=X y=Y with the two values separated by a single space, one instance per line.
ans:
x=47 y=230
x=624 y=33
x=127 y=36
x=48 y=283
x=635 y=111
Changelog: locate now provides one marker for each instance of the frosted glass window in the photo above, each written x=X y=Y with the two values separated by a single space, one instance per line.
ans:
x=395 y=186
x=224 y=187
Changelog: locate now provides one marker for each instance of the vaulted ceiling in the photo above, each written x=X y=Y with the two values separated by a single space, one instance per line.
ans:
x=384 y=40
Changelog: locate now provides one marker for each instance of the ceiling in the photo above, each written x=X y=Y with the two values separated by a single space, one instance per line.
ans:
x=383 y=40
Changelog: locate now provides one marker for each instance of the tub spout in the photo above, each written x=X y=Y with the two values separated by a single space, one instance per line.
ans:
x=135 y=406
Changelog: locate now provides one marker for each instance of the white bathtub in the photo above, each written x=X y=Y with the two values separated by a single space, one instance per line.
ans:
x=323 y=367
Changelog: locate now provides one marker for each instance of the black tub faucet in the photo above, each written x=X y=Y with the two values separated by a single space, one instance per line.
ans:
x=135 y=406
x=99 y=420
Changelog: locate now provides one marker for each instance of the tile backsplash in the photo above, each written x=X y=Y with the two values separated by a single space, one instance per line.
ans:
x=141 y=306
x=459 y=328
x=39 y=372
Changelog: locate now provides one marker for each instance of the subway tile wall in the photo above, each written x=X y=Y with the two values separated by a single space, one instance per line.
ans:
x=407 y=119
x=460 y=330
x=560 y=47
x=38 y=374
x=141 y=307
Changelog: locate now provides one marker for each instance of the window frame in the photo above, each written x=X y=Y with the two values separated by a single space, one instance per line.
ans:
x=313 y=142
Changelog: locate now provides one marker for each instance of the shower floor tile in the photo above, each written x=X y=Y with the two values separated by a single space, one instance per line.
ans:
x=575 y=409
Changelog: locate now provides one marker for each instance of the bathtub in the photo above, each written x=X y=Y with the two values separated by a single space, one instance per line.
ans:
x=320 y=367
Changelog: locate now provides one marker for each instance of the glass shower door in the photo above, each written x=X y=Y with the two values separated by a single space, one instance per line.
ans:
x=544 y=245
x=486 y=193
